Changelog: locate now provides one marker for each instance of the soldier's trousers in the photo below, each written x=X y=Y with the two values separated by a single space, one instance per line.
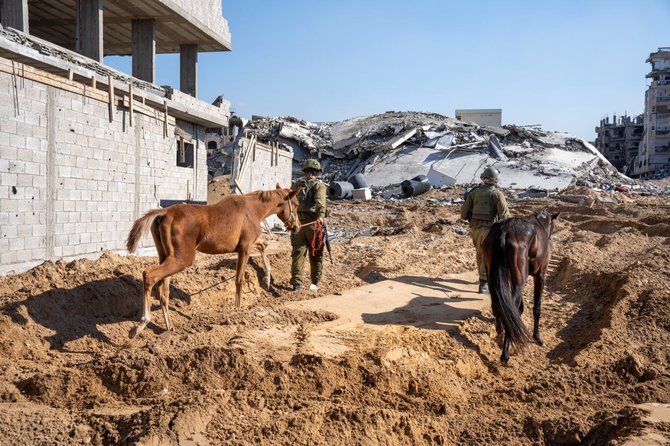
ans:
x=301 y=242
x=478 y=235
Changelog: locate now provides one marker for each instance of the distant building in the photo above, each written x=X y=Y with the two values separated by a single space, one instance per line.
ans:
x=620 y=139
x=491 y=117
x=654 y=152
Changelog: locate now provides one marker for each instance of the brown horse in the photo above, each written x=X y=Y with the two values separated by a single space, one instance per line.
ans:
x=514 y=249
x=231 y=225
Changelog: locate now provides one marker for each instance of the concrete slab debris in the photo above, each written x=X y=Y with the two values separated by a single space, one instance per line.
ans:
x=391 y=147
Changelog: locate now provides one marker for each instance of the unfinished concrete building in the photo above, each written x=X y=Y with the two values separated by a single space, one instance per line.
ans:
x=86 y=149
x=654 y=152
x=619 y=140
x=491 y=117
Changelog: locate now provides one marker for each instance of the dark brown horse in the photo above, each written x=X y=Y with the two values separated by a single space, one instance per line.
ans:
x=231 y=225
x=514 y=249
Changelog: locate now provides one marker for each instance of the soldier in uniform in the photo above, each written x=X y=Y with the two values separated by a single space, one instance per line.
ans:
x=308 y=240
x=484 y=205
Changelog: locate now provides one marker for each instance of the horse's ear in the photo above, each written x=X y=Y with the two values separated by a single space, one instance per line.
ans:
x=278 y=186
x=293 y=193
x=555 y=216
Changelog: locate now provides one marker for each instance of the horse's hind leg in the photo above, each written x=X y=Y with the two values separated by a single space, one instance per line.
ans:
x=504 y=358
x=260 y=245
x=538 y=286
x=242 y=259
x=146 y=304
x=164 y=295
x=500 y=333
x=146 y=297
x=169 y=267
x=163 y=286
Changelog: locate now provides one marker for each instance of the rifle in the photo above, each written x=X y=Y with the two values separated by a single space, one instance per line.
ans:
x=326 y=242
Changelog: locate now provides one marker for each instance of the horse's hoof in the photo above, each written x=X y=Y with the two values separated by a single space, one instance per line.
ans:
x=540 y=342
x=133 y=332
x=267 y=283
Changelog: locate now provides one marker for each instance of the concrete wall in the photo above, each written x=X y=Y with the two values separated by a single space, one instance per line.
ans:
x=72 y=182
x=492 y=118
x=205 y=13
x=269 y=166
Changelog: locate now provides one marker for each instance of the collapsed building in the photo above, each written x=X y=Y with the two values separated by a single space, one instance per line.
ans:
x=393 y=147
x=87 y=149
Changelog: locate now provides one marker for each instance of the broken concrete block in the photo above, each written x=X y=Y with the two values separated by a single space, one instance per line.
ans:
x=534 y=193
x=362 y=194
x=581 y=200
x=495 y=149
x=398 y=140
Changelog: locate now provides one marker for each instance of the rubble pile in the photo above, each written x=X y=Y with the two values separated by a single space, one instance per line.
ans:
x=393 y=147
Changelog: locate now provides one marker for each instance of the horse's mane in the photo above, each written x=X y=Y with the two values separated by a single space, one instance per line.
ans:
x=266 y=196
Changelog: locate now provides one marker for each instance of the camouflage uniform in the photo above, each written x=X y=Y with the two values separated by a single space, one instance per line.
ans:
x=484 y=205
x=312 y=206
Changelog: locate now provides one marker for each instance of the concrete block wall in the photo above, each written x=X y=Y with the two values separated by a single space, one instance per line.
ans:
x=265 y=171
x=72 y=182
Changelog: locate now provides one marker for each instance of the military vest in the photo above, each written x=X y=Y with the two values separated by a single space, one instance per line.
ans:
x=307 y=198
x=483 y=203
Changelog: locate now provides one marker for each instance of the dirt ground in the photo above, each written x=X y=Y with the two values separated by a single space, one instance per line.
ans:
x=72 y=376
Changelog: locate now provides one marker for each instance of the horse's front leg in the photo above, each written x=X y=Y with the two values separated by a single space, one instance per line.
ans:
x=538 y=282
x=242 y=259
x=260 y=245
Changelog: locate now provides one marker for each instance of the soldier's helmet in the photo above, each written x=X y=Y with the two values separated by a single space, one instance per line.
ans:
x=311 y=164
x=490 y=173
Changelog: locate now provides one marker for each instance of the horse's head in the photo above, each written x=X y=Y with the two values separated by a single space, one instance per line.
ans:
x=288 y=208
x=547 y=220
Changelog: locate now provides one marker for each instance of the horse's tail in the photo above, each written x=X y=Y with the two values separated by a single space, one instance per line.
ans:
x=500 y=286
x=141 y=226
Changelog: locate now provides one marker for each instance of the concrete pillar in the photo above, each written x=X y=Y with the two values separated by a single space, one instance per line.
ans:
x=90 y=29
x=188 y=69
x=14 y=14
x=144 y=49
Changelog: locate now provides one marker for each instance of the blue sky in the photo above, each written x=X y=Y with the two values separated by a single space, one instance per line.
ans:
x=562 y=64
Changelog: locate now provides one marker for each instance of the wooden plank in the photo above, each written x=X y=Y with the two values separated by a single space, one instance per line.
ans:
x=148 y=111
x=46 y=78
x=131 y=102
x=165 y=121
x=110 y=83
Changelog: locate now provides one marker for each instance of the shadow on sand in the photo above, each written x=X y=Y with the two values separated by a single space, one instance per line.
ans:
x=77 y=312
x=432 y=311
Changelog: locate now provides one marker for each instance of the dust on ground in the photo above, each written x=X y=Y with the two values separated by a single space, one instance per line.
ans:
x=221 y=376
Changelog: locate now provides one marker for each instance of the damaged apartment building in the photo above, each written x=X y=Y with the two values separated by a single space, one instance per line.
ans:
x=619 y=140
x=654 y=152
x=85 y=149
